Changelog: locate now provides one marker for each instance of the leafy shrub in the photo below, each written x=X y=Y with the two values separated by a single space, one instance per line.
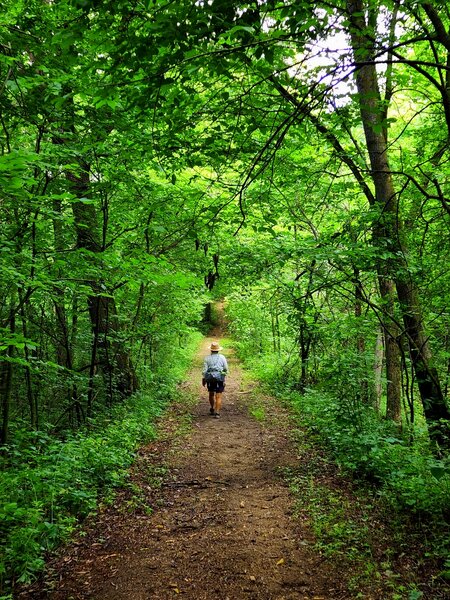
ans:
x=406 y=475
x=44 y=490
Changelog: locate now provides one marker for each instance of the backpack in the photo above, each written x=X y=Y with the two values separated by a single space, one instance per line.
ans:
x=214 y=372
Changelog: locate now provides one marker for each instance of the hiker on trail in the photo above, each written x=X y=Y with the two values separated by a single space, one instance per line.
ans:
x=215 y=368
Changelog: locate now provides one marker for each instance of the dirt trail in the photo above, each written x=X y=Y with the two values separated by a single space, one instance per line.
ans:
x=221 y=525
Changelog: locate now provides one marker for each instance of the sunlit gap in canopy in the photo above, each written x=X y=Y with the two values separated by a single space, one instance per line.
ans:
x=326 y=64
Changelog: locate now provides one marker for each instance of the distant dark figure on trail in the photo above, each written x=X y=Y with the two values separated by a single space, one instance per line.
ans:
x=215 y=368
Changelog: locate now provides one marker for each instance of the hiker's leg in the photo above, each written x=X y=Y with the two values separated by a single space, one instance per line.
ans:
x=211 y=399
x=218 y=403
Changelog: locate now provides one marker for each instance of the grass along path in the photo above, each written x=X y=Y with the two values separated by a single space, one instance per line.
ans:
x=209 y=514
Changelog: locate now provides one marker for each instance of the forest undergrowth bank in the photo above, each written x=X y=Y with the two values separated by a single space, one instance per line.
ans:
x=48 y=484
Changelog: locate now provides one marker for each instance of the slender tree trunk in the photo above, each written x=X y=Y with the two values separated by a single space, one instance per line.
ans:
x=447 y=379
x=5 y=393
x=305 y=343
x=378 y=369
x=63 y=347
x=388 y=229
x=360 y=341
x=274 y=333
x=277 y=326
x=6 y=373
x=392 y=335
x=32 y=403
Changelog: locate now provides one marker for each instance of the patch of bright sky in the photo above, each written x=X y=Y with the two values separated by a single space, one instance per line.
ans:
x=328 y=60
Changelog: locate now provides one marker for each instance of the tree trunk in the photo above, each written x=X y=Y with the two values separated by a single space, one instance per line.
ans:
x=5 y=393
x=305 y=344
x=388 y=229
x=5 y=386
x=392 y=335
x=63 y=346
x=277 y=326
x=274 y=328
x=110 y=353
x=378 y=369
x=360 y=341
x=32 y=401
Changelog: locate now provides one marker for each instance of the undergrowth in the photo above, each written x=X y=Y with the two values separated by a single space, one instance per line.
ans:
x=48 y=485
x=407 y=475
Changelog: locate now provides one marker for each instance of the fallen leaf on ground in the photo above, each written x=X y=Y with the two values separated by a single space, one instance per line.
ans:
x=280 y=562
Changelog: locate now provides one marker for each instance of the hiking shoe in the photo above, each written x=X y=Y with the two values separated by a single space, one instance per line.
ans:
x=216 y=416
x=211 y=411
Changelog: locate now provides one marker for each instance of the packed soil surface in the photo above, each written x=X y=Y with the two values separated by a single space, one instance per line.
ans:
x=221 y=524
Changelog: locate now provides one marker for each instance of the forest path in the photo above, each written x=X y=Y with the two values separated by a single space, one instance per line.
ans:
x=222 y=524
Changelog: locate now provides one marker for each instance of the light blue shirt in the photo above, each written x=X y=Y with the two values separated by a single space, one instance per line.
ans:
x=215 y=362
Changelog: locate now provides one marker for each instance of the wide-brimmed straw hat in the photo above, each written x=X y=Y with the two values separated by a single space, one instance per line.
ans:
x=215 y=347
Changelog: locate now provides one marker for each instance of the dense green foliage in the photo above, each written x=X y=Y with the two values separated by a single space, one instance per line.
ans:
x=290 y=156
x=47 y=485
x=397 y=459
